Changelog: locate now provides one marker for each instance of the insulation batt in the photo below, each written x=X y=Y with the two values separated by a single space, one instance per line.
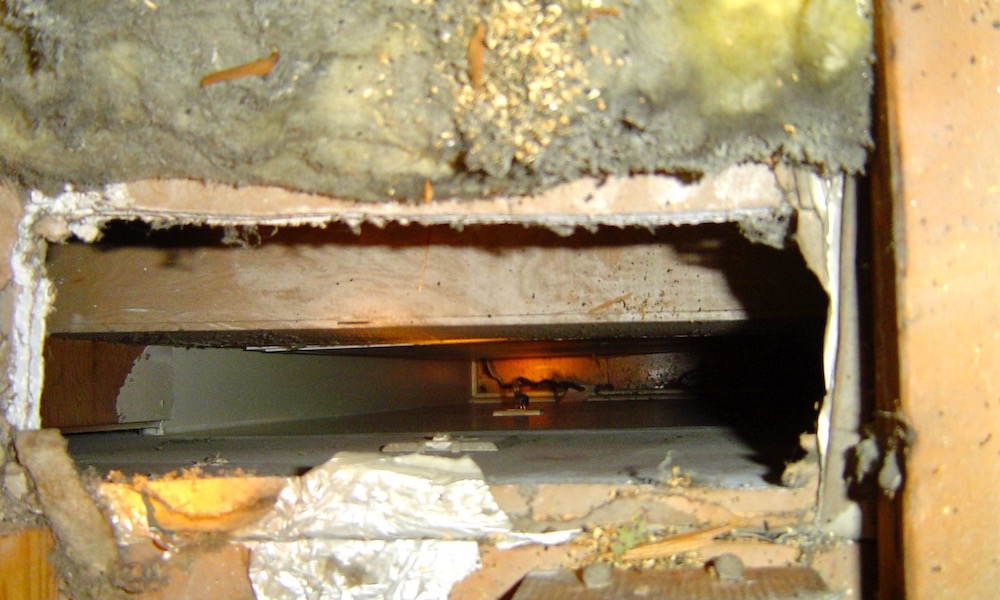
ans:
x=379 y=100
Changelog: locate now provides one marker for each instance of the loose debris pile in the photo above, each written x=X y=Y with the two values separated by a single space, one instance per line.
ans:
x=161 y=524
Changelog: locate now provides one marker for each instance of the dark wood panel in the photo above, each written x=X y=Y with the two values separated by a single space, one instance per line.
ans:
x=82 y=379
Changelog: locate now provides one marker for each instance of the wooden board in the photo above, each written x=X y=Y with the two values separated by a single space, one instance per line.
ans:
x=770 y=583
x=938 y=314
x=400 y=278
x=82 y=380
x=750 y=190
x=25 y=570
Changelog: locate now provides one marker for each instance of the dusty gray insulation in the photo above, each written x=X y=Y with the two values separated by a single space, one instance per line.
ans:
x=385 y=98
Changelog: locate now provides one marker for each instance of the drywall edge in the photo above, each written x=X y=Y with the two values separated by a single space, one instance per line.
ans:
x=743 y=193
x=747 y=193
x=32 y=303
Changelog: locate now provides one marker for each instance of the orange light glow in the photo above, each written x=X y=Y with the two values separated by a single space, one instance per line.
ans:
x=191 y=504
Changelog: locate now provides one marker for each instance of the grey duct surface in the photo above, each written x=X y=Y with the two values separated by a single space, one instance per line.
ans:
x=384 y=99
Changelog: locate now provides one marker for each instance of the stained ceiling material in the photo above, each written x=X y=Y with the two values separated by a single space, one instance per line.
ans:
x=423 y=99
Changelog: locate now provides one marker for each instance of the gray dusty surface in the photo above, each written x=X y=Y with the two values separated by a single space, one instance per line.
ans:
x=709 y=455
x=395 y=99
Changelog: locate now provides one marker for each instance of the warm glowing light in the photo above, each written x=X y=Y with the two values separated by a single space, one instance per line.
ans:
x=192 y=503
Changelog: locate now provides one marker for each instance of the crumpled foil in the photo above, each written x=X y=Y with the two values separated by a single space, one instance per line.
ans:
x=126 y=512
x=373 y=496
x=360 y=570
x=372 y=526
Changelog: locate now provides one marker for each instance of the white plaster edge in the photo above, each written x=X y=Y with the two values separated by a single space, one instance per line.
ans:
x=32 y=303
x=35 y=294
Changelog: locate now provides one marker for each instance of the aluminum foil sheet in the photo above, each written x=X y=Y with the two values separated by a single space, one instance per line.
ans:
x=360 y=570
x=374 y=526
x=127 y=513
x=378 y=497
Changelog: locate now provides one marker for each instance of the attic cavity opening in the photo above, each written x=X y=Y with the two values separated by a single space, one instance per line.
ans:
x=646 y=352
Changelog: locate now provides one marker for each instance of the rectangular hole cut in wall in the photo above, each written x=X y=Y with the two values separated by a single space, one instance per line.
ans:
x=270 y=349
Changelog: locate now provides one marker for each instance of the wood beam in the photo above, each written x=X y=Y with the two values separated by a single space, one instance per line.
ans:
x=943 y=138
x=402 y=278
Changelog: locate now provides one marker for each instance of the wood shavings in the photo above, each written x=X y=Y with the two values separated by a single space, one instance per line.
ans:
x=529 y=89
x=610 y=303
x=475 y=52
x=676 y=544
x=428 y=191
x=260 y=67
x=602 y=11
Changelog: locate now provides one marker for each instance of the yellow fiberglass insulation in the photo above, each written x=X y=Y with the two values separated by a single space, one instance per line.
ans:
x=745 y=51
x=382 y=99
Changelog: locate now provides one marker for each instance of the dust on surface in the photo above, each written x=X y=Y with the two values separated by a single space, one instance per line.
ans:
x=386 y=99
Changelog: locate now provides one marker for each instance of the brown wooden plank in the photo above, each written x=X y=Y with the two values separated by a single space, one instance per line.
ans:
x=404 y=277
x=25 y=570
x=82 y=380
x=944 y=142
x=771 y=583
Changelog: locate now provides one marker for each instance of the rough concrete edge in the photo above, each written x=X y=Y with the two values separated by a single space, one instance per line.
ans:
x=11 y=211
x=559 y=224
x=18 y=503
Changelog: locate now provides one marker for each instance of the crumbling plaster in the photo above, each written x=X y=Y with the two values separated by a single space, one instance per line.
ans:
x=15 y=501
